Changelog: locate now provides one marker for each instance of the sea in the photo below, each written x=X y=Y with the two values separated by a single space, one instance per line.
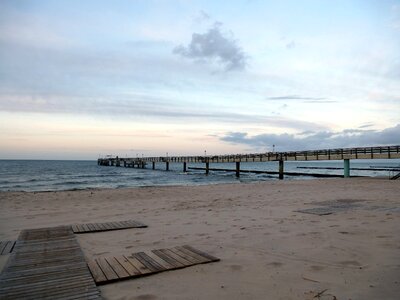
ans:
x=59 y=175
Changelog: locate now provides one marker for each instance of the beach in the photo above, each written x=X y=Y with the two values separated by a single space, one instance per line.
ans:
x=268 y=249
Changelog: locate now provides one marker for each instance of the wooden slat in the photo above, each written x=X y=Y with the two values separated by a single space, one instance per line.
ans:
x=148 y=261
x=107 y=270
x=160 y=261
x=176 y=257
x=201 y=253
x=138 y=265
x=9 y=245
x=200 y=258
x=95 y=227
x=187 y=257
x=168 y=259
x=127 y=266
x=3 y=244
x=118 y=269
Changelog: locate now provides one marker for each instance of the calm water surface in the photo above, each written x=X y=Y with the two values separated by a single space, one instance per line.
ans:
x=52 y=175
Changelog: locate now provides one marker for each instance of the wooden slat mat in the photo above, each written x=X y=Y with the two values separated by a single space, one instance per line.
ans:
x=110 y=269
x=6 y=247
x=96 y=227
x=47 y=263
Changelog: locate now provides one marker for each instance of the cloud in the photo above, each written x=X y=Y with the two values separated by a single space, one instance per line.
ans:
x=201 y=17
x=291 y=45
x=214 y=47
x=295 y=97
x=317 y=140
x=140 y=106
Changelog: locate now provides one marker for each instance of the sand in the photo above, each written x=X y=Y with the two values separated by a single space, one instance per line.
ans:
x=267 y=249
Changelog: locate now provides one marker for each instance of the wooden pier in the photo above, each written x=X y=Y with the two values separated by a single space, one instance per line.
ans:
x=345 y=154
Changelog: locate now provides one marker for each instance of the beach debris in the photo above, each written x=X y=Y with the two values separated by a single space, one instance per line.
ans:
x=309 y=279
x=320 y=294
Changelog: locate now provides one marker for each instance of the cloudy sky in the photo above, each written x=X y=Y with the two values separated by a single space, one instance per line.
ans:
x=83 y=78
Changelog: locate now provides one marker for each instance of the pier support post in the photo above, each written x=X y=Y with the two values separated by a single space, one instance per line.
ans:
x=237 y=168
x=167 y=165
x=207 y=168
x=346 y=168
x=124 y=163
x=154 y=165
x=281 y=169
x=184 y=167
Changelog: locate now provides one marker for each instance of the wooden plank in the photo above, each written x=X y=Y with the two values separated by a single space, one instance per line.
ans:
x=201 y=253
x=168 y=259
x=160 y=261
x=118 y=269
x=108 y=226
x=107 y=270
x=127 y=266
x=176 y=257
x=3 y=244
x=201 y=259
x=187 y=257
x=8 y=248
x=138 y=265
x=91 y=227
x=101 y=227
x=96 y=271
x=149 y=262
x=75 y=228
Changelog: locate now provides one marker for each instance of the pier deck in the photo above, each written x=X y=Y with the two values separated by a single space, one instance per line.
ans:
x=345 y=154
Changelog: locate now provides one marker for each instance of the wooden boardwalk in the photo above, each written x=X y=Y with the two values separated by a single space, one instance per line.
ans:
x=6 y=247
x=110 y=269
x=47 y=263
x=96 y=227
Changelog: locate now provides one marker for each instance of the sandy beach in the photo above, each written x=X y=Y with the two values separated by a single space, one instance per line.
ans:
x=268 y=250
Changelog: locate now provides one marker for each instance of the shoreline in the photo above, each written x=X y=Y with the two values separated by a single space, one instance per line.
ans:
x=268 y=249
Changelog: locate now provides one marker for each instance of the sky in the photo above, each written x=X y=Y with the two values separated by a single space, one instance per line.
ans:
x=83 y=79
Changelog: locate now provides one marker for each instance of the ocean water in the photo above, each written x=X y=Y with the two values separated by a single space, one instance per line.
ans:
x=56 y=175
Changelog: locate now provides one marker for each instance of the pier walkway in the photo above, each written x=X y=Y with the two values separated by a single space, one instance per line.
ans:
x=345 y=154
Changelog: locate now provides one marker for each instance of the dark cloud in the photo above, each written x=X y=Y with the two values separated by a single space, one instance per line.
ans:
x=317 y=140
x=214 y=46
x=366 y=125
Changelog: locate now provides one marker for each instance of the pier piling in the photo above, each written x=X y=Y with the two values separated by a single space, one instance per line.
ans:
x=167 y=166
x=237 y=168
x=207 y=168
x=154 y=165
x=184 y=167
x=281 y=169
x=346 y=168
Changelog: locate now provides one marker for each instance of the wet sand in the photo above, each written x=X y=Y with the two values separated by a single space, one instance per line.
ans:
x=268 y=250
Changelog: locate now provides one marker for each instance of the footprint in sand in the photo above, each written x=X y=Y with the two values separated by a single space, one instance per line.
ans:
x=236 y=267
x=316 y=268
x=146 y=297
x=275 y=264
x=350 y=263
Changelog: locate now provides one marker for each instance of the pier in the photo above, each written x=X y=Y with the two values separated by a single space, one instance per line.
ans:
x=344 y=154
